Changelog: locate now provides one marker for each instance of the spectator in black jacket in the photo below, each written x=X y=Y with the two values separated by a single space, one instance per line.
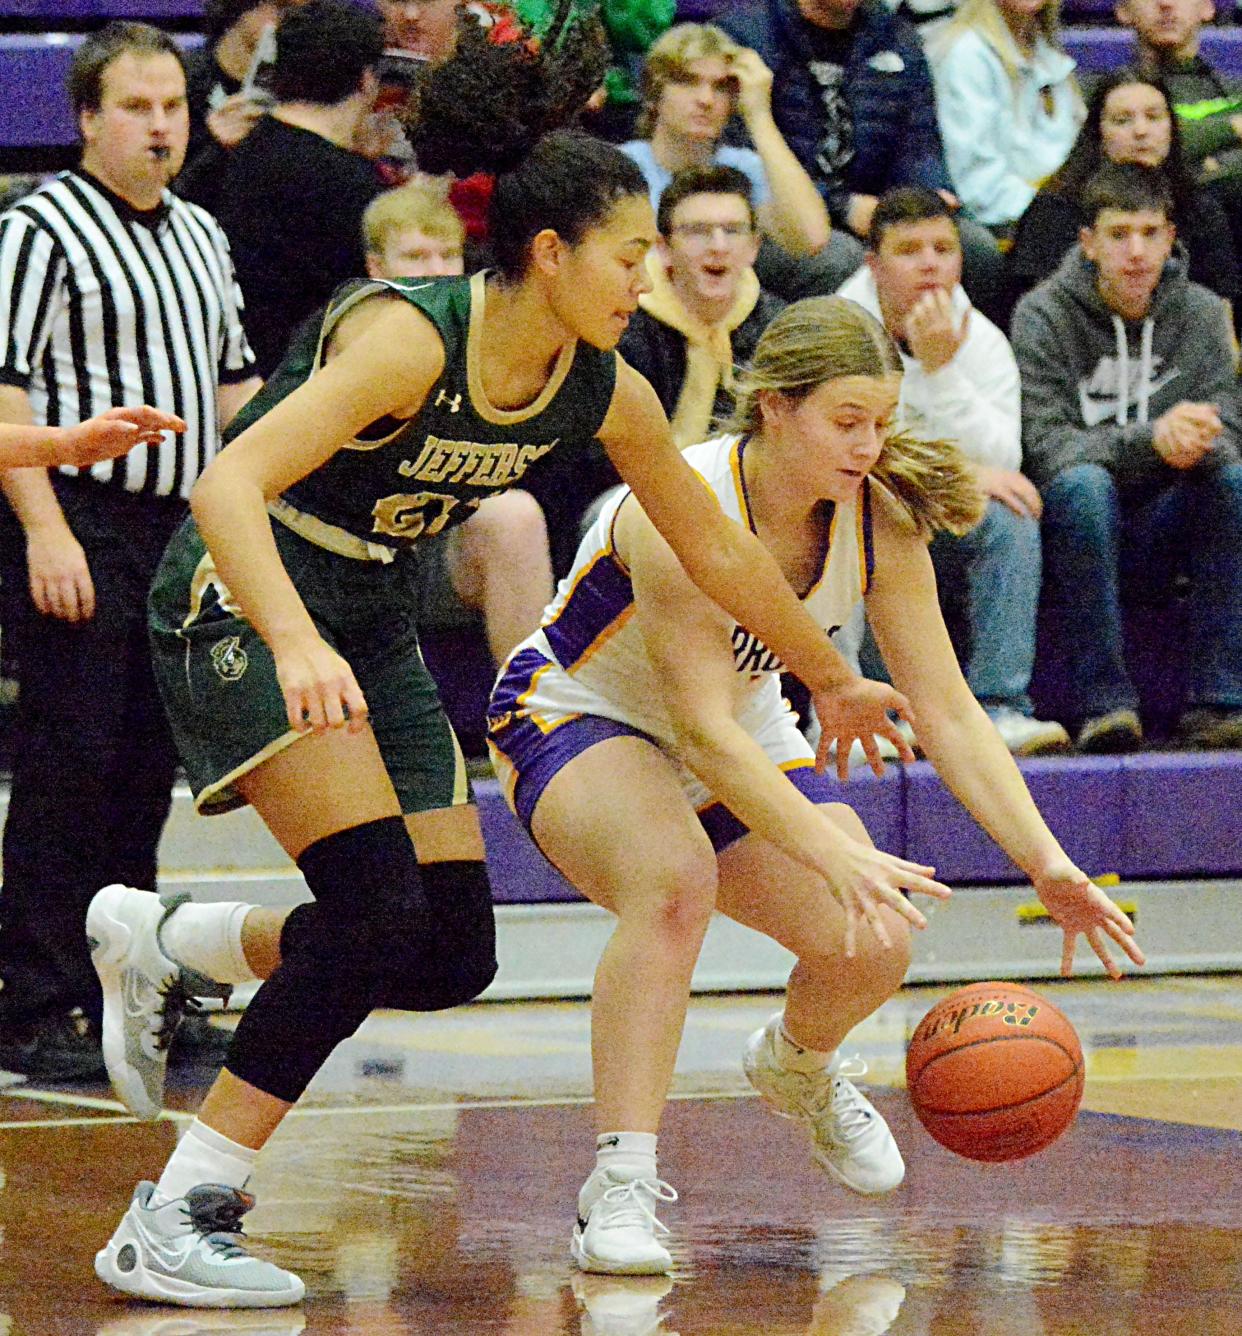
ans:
x=225 y=76
x=706 y=309
x=853 y=96
x=292 y=194
x=1129 y=119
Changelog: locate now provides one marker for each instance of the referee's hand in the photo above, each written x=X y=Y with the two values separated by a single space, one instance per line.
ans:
x=110 y=434
x=60 y=580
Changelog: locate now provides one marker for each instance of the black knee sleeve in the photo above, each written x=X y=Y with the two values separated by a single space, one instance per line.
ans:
x=337 y=955
x=382 y=932
x=457 y=960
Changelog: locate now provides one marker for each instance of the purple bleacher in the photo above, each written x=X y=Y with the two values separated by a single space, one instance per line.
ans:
x=1152 y=816
x=34 y=107
x=1081 y=798
x=60 y=12
x=1180 y=814
x=1098 y=50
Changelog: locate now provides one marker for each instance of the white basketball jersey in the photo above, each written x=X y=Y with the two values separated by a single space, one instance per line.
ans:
x=589 y=653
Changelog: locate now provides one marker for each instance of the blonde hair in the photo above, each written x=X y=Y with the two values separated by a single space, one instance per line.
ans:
x=985 y=18
x=825 y=338
x=669 y=59
x=420 y=204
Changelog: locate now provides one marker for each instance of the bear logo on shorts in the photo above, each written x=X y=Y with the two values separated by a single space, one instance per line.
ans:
x=229 y=659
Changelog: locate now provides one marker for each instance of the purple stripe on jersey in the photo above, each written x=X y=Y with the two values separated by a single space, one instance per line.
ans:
x=599 y=596
x=514 y=683
x=537 y=756
x=724 y=829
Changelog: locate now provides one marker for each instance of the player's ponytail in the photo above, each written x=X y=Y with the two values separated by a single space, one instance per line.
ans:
x=824 y=338
x=498 y=105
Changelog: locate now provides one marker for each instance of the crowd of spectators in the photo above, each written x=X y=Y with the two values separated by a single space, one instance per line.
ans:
x=1055 y=259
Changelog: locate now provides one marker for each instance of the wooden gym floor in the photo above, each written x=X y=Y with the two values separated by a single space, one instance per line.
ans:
x=426 y=1185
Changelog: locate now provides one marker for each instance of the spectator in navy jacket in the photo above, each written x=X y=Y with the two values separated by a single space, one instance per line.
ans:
x=853 y=97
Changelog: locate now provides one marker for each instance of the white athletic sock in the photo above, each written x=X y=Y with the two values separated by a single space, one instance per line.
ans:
x=632 y=1154
x=208 y=939
x=794 y=1057
x=203 y=1156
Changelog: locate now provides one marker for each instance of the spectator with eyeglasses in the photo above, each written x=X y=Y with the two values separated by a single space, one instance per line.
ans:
x=706 y=309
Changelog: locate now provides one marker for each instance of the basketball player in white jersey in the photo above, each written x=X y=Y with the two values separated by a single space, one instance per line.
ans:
x=642 y=739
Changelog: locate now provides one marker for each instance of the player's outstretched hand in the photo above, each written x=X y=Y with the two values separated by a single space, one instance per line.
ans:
x=111 y=434
x=320 y=689
x=862 y=878
x=860 y=709
x=1079 y=906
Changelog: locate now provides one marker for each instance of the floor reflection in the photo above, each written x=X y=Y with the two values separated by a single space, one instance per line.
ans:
x=421 y=1206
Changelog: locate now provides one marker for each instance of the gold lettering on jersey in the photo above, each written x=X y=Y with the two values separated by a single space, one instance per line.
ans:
x=472 y=464
x=751 y=655
x=412 y=516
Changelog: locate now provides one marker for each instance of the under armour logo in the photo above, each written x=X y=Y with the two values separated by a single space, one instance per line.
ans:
x=453 y=400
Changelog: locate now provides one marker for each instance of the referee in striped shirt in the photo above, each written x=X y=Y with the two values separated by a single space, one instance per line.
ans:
x=112 y=291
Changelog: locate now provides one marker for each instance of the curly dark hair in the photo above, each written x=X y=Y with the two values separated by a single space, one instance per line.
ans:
x=498 y=106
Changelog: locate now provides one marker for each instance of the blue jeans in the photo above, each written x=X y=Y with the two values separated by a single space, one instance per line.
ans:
x=1101 y=539
x=1000 y=560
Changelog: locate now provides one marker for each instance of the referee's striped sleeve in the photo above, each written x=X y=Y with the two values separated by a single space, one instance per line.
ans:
x=236 y=359
x=32 y=272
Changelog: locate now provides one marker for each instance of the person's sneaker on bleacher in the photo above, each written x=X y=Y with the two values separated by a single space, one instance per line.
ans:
x=145 y=992
x=62 y=1046
x=852 y=1140
x=1025 y=735
x=189 y=1252
x=1116 y=731
x=616 y=1230
x=1212 y=727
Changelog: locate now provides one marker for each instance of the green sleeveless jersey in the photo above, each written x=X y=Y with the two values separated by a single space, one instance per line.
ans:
x=399 y=480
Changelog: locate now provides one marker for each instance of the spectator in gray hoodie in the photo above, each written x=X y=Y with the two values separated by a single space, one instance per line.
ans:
x=1131 y=427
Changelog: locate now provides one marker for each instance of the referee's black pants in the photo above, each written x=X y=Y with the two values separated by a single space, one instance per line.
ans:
x=92 y=758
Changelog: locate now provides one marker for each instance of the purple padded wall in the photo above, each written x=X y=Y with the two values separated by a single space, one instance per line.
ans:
x=1080 y=798
x=1100 y=49
x=34 y=108
x=55 y=13
x=519 y=873
x=1181 y=814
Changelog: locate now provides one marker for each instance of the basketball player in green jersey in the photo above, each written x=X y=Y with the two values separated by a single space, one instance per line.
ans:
x=283 y=632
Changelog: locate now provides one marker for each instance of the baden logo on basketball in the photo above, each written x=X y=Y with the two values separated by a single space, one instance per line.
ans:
x=229 y=659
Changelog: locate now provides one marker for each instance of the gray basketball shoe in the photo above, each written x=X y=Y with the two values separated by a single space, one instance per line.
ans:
x=190 y=1252
x=145 y=993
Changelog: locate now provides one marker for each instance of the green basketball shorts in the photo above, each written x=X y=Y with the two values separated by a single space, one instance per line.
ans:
x=218 y=681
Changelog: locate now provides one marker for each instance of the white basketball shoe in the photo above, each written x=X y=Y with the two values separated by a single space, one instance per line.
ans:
x=617 y=1227
x=852 y=1141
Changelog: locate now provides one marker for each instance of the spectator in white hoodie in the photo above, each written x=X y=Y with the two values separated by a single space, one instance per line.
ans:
x=961 y=384
x=1008 y=103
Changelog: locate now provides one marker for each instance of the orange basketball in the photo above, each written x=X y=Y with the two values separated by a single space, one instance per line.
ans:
x=995 y=1072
